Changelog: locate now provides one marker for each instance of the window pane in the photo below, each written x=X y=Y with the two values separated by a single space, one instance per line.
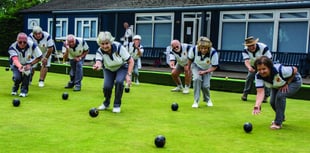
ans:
x=234 y=16
x=163 y=18
x=233 y=36
x=79 y=29
x=292 y=37
x=261 y=16
x=293 y=15
x=144 y=18
x=51 y=28
x=145 y=30
x=58 y=31
x=93 y=29
x=86 y=32
x=162 y=34
x=64 y=28
x=189 y=15
x=188 y=35
x=263 y=31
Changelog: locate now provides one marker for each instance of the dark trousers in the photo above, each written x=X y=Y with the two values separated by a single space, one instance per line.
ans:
x=304 y=67
x=278 y=98
x=112 y=78
x=76 y=72
x=135 y=70
x=20 y=78
x=249 y=84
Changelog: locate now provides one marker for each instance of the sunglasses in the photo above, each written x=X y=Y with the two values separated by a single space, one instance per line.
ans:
x=175 y=47
x=22 y=42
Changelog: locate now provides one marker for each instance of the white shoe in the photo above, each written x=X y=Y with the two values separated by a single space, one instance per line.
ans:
x=186 y=90
x=22 y=95
x=116 y=110
x=209 y=103
x=102 y=107
x=41 y=84
x=195 y=104
x=13 y=93
x=177 y=89
x=137 y=82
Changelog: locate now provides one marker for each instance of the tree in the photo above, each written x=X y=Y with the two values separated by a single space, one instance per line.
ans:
x=9 y=8
x=11 y=22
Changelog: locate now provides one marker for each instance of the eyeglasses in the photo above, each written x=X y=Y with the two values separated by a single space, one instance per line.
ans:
x=22 y=42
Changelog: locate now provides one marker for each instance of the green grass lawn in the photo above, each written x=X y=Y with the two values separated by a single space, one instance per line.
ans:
x=45 y=123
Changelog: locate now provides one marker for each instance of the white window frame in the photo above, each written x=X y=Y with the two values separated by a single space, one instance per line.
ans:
x=276 y=20
x=153 y=21
x=197 y=17
x=85 y=25
x=60 y=25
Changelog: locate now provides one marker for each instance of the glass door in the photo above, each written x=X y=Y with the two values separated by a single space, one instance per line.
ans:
x=191 y=27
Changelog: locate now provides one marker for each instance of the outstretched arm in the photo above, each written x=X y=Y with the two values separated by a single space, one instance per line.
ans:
x=260 y=94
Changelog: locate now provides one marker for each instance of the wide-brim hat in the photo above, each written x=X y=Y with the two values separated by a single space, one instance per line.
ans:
x=250 y=41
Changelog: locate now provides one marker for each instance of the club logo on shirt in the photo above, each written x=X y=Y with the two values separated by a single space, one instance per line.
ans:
x=278 y=79
x=208 y=61
x=116 y=54
x=29 y=57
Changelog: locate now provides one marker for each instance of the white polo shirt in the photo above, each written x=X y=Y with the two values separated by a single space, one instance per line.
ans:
x=78 y=49
x=118 y=58
x=25 y=56
x=182 y=56
x=44 y=43
x=203 y=61
x=128 y=35
x=261 y=50
x=134 y=52
x=279 y=75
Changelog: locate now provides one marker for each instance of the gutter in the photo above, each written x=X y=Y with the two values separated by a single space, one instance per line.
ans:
x=255 y=6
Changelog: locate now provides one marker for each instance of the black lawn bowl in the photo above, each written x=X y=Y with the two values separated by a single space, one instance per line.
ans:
x=174 y=106
x=16 y=102
x=127 y=89
x=7 y=68
x=160 y=141
x=247 y=127
x=93 y=112
x=65 y=96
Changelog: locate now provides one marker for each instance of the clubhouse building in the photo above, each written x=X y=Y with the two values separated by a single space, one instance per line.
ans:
x=281 y=24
